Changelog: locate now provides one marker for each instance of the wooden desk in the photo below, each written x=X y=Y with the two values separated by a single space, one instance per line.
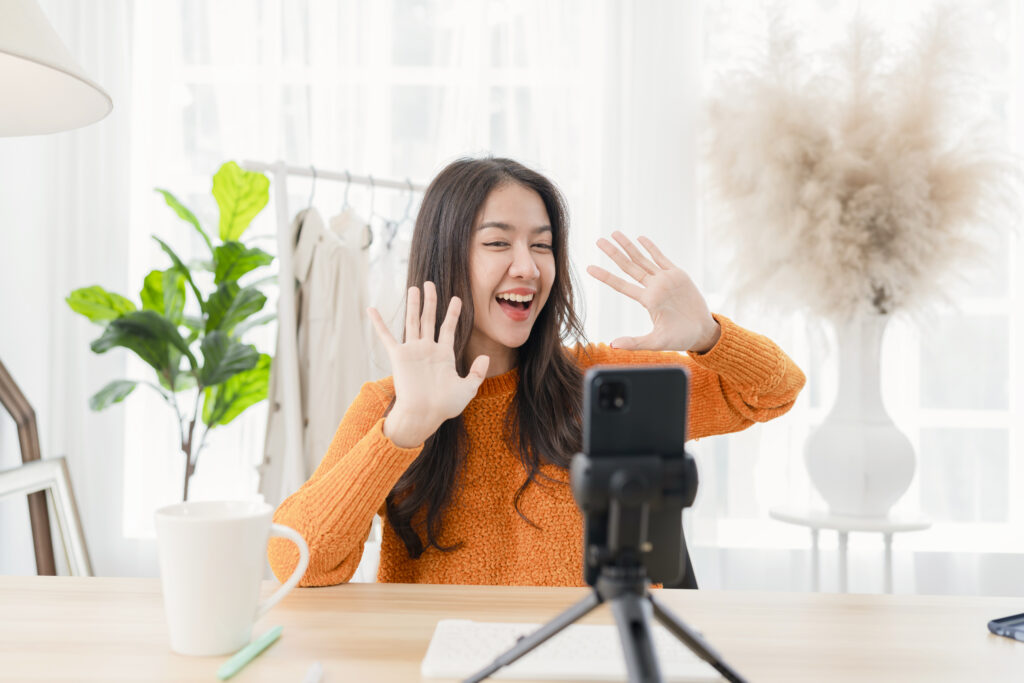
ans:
x=107 y=629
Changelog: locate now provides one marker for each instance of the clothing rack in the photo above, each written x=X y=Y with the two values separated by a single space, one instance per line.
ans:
x=342 y=176
x=292 y=474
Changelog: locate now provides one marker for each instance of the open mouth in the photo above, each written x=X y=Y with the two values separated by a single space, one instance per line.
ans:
x=515 y=306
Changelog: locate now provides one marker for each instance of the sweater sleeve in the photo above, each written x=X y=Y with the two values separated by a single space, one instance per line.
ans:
x=744 y=378
x=333 y=511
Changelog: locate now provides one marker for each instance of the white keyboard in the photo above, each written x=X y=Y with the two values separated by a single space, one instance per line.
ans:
x=579 y=652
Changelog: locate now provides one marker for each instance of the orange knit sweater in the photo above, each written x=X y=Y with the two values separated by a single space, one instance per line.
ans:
x=745 y=378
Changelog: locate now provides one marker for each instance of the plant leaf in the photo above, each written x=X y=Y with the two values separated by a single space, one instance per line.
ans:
x=152 y=350
x=219 y=303
x=224 y=357
x=232 y=260
x=230 y=305
x=181 y=268
x=163 y=291
x=224 y=402
x=152 y=292
x=174 y=295
x=240 y=195
x=181 y=380
x=99 y=305
x=114 y=392
x=248 y=301
x=147 y=333
x=184 y=213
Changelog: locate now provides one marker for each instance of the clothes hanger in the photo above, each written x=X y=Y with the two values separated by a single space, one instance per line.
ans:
x=373 y=212
x=369 y=221
x=309 y=205
x=312 y=189
x=390 y=225
x=394 y=227
x=345 y=206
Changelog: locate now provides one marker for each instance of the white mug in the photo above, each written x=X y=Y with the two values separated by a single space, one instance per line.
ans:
x=212 y=559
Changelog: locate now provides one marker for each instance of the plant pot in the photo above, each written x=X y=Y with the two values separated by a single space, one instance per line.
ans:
x=857 y=459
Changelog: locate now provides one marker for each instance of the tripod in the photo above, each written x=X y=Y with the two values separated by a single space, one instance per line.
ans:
x=625 y=591
x=632 y=515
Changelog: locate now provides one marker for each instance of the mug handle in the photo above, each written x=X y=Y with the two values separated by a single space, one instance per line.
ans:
x=293 y=536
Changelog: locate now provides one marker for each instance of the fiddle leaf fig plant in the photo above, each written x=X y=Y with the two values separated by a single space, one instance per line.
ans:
x=188 y=325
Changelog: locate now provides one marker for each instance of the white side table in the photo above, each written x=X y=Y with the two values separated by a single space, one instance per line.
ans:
x=816 y=520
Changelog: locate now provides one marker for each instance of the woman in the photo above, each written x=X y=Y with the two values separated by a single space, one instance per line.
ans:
x=464 y=451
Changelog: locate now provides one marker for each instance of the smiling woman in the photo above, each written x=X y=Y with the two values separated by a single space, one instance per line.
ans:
x=467 y=446
x=513 y=269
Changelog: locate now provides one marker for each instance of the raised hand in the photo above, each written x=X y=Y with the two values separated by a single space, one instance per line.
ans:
x=682 y=321
x=428 y=388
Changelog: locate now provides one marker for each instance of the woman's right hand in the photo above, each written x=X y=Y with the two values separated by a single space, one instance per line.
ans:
x=428 y=389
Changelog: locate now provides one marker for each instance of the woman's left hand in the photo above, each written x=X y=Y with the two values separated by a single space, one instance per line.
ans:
x=682 y=321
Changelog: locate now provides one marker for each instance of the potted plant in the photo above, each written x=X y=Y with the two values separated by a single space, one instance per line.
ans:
x=854 y=191
x=189 y=322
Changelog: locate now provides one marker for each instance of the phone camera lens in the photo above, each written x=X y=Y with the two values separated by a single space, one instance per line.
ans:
x=612 y=396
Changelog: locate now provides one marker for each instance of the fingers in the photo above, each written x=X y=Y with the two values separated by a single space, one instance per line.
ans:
x=659 y=257
x=420 y=324
x=478 y=370
x=446 y=336
x=386 y=338
x=412 y=314
x=634 y=253
x=616 y=283
x=646 y=342
x=627 y=266
x=429 y=317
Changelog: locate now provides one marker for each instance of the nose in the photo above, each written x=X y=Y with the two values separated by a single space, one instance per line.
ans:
x=523 y=265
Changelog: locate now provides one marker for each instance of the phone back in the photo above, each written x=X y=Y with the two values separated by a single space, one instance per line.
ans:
x=631 y=410
x=638 y=411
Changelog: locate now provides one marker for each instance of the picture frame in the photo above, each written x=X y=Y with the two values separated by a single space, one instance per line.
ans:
x=14 y=401
x=51 y=476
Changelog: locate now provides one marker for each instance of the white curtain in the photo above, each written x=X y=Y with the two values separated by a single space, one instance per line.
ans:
x=64 y=223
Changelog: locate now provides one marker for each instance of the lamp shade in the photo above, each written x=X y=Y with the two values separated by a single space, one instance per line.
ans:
x=42 y=88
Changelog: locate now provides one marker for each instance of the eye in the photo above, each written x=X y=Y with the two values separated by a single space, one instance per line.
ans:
x=546 y=247
x=495 y=244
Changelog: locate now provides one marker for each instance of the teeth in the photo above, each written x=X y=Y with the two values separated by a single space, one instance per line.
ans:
x=516 y=297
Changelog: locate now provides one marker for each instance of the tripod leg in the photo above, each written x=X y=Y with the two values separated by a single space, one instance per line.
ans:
x=527 y=643
x=633 y=617
x=694 y=641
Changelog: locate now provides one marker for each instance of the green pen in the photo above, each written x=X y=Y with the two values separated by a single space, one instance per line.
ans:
x=248 y=653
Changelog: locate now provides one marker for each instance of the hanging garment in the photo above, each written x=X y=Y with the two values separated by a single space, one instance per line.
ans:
x=332 y=345
x=387 y=278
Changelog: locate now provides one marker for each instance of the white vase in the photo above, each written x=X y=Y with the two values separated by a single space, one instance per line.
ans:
x=857 y=459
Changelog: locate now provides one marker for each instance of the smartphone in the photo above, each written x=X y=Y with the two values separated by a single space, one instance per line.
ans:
x=640 y=411
x=1011 y=627
x=635 y=410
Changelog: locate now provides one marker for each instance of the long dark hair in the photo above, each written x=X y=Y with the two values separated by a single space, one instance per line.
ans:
x=544 y=421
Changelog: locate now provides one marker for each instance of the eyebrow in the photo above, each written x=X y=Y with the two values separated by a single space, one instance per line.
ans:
x=505 y=226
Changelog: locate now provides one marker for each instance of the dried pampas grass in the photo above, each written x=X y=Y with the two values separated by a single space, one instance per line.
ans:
x=855 y=190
